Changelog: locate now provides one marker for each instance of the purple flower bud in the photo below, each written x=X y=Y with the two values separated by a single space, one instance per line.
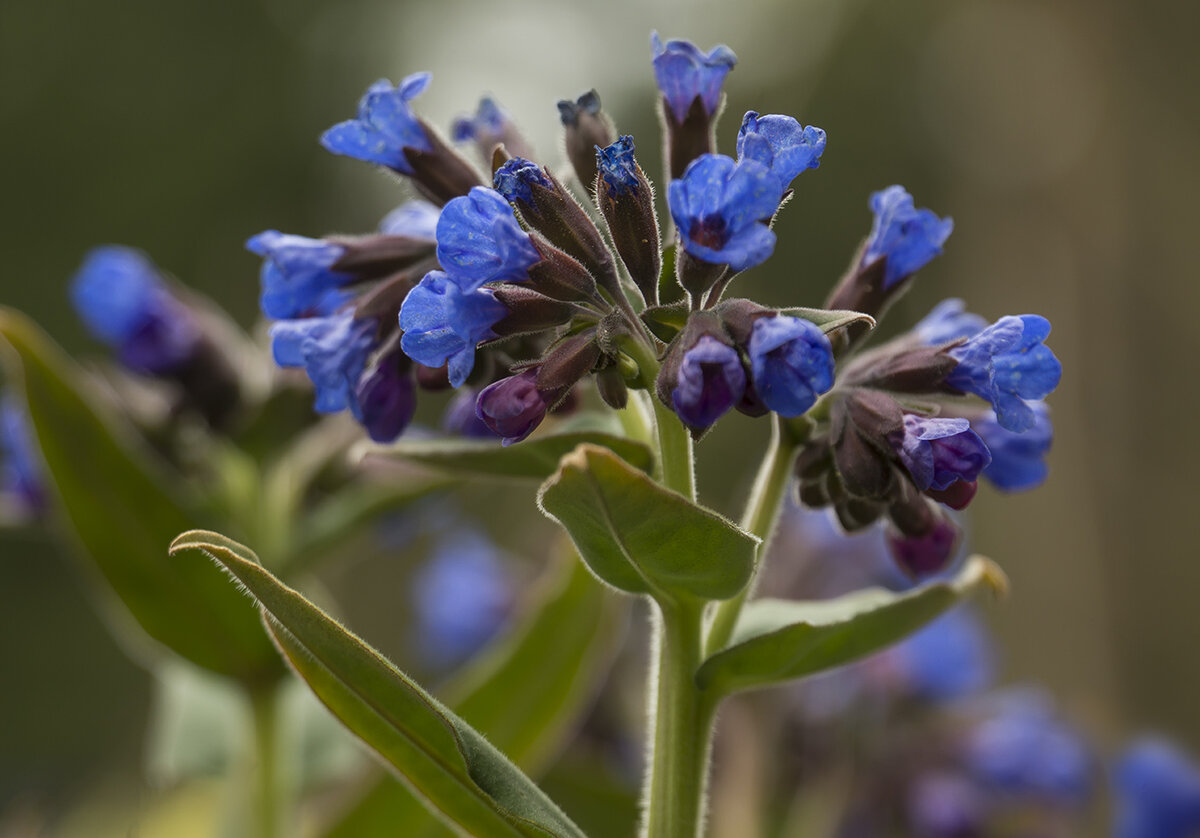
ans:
x=684 y=73
x=460 y=418
x=710 y=382
x=385 y=125
x=792 y=363
x=514 y=179
x=928 y=553
x=939 y=452
x=385 y=398
x=907 y=237
x=512 y=407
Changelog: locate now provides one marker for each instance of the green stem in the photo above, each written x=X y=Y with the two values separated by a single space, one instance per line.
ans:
x=675 y=451
x=762 y=511
x=264 y=704
x=683 y=717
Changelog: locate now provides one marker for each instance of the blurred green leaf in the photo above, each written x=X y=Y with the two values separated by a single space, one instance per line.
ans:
x=641 y=537
x=535 y=458
x=125 y=512
x=778 y=640
x=550 y=666
x=462 y=776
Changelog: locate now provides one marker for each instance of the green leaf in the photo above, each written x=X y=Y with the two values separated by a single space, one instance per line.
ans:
x=830 y=320
x=777 y=640
x=667 y=321
x=550 y=666
x=669 y=289
x=535 y=458
x=124 y=510
x=641 y=537
x=458 y=772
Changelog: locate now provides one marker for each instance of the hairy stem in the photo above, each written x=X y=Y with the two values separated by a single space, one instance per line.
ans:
x=682 y=729
x=762 y=512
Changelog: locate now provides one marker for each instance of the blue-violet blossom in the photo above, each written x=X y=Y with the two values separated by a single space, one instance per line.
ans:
x=791 y=362
x=333 y=350
x=938 y=452
x=949 y=658
x=513 y=407
x=1018 y=459
x=907 y=237
x=1158 y=792
x=20 y=470
x=296 y=272
x=781 y=144
x=683 y=72
x=710 y=382
x=479 y=241
x=443 y=323
x=385 y=126
x=719 y=206
x=122 y=299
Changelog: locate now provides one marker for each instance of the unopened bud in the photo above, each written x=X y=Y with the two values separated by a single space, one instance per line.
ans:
x=586 y=127
x=626 y=200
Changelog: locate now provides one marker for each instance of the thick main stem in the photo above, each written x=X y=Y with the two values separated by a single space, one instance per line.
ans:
x=682 y=729
x=762 y=511
x=268 y=797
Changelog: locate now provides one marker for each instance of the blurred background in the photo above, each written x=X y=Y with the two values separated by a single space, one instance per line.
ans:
x=1064 y=140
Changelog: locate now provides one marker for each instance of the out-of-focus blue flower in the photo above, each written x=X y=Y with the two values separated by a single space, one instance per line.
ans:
x=1158 y=792
x=684 y=72
x=949 y=658
x=443 y=324
x=1023 y=749
x=938 y=452
x=949 y=321
x=461 y=419
x=487 y=126
x=415 y=219
x=385 y=399
x=20 y=466
x=711 y=381
x=781 y=144
x=907 y=237
x=1018 y=460
x=296 y=272
x=945 y=805
x=385 y=126
x=513 y=407
x=514 y=179
x=333 y=351
x=479 y=240
x=791 y=361
x=719 y=207
x=617 y=165
x=462 y=597
x=121 y=298
x=1008 y=365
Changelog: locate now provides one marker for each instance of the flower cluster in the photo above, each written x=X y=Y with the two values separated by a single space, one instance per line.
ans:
x=513 y=292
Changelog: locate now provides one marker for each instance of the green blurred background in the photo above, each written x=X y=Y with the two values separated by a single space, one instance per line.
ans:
x=1062 y=137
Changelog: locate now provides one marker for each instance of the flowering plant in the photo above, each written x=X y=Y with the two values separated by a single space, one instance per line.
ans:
x=519 y=290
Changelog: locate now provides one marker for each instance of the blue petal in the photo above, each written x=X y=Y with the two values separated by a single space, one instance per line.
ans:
x=907 y=237
x=480 y=241
x=415 y=219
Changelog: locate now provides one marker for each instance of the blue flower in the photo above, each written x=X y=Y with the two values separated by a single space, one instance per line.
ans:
x=489 y=122
x=938 y=452
x=781 y=144
x=1018 y=459
x=296 y=272
x=617 y=165
x=791 y=362
x=1023 y=749
x=385 y=125
x=515 y=178
x=333 y=351
x=1007 y=364
x=415 y=219
x=684 y=72
x=907 y=237
x=385 y=399
x=949 y=658
x=719 y=206
x=462 y=597
x=711 y=381
x=20 y=467
x=1158 y=792
x=121 y=298
x=442 y=323
x=513 y=407
x=479 y=240
x=949 y=321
